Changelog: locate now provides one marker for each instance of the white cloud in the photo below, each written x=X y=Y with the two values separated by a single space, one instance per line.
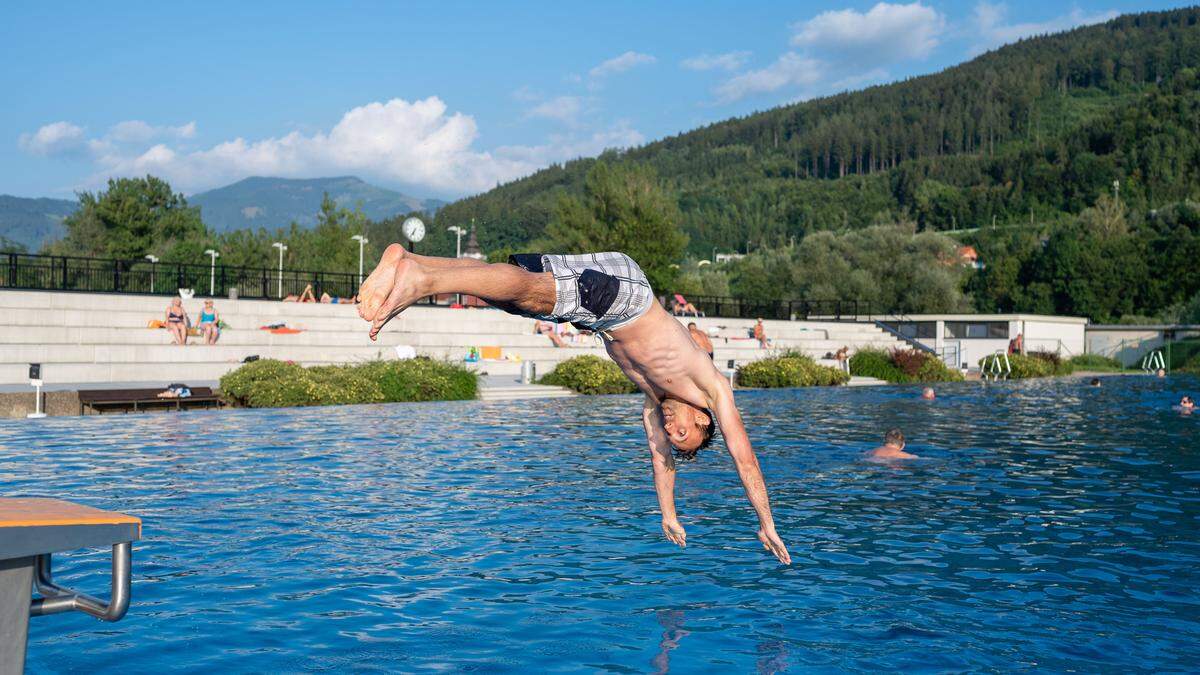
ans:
x=789 y=71
x=886 y=32
x=564 y=109
x=57 y=139
x=419 y=144
x=620 y=64
x=137 y=131
x=992 y=31
x=726 y=61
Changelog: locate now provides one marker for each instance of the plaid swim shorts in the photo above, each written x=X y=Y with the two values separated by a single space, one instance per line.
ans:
x=595 y=291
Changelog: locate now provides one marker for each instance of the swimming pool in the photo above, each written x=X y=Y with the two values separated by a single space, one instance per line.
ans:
x=1051 y=525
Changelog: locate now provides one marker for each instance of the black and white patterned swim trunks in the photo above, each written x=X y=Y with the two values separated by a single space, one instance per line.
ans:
x=596 y=291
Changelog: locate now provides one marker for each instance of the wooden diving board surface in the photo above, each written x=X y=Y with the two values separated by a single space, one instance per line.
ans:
x=33 y=526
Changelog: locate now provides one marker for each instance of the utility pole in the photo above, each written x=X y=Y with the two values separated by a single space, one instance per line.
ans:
x=153 y=268
x=361 y=242
x=212 y=271
x=458 y=233
x=280 y=245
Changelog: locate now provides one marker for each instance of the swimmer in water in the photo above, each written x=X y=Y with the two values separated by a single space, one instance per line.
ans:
x=1186 y=403
x=928 y=394
x=1160 y=372
x=892 y=448
x=1095 y=382
x=686 y=397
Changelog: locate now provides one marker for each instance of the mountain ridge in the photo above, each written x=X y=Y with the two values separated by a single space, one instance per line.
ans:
x=253 y=202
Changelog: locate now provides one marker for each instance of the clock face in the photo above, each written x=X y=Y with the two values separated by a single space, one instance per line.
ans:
x=414 y=229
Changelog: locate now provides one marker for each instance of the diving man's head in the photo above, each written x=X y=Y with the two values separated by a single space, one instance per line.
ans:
x=689 y=428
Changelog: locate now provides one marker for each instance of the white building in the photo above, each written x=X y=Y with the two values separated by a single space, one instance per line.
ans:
x=963 y=339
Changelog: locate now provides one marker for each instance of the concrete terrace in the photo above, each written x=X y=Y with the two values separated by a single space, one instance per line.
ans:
x=102 y=338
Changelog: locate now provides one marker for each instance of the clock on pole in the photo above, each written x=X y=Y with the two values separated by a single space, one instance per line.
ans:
x=414 y=231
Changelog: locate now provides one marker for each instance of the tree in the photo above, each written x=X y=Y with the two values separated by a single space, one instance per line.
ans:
x=132 y=218
x=623 y=208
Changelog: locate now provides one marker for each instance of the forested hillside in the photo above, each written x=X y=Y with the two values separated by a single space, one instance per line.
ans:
x=1034 y=130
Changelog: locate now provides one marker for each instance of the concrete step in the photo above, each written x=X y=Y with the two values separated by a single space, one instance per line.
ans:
x=861 y=381
x=523 y=391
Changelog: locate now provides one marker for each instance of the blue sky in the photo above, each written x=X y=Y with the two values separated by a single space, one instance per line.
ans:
x=437 y=99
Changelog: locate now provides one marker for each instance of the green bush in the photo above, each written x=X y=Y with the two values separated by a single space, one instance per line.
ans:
x=589 y=375
x=902 y=366
x=268 y=383
x=1095 y=362
x=788 y=370
x=1057 y=365
x=1025 y=366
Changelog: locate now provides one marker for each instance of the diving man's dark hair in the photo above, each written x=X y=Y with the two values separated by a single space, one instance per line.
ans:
x=709 y=431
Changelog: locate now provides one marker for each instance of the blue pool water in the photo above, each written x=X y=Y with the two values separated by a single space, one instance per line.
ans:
x=1050 y=526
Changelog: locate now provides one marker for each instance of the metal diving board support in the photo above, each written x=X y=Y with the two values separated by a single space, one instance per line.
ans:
x=31 y=531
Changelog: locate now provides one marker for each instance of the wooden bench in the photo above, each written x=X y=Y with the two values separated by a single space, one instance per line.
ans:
x=135 y=400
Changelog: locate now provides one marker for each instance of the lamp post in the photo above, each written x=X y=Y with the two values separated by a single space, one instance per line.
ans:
x=361 y=242
x=458 y=233
x=153 y=266
x=212 y=271
x=280 y=245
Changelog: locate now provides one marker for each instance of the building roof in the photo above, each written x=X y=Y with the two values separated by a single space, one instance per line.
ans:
x=1042 y=318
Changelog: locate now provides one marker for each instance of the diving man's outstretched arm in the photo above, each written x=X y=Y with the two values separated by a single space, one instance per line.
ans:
x=738 y=443
x=663 y=464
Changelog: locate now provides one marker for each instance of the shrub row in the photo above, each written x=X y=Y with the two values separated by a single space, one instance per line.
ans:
x=589 y=375
x=1036 y=364
x=791 y=369
x=902 y=366
x=1095 y=362
x=268 y=383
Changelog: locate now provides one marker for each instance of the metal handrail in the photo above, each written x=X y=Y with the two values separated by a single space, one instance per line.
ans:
x=992 y=367
x=916 y=344
x=58 y=599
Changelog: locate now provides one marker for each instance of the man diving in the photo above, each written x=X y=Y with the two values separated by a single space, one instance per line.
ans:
x=609 y=294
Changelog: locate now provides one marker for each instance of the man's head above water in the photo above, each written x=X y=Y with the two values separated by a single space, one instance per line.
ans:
x=689 y=429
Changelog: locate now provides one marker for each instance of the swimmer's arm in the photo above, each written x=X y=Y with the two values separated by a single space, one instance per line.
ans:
x=663 y=464
x=746 y=463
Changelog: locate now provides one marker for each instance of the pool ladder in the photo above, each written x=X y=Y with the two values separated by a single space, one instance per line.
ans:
x=996 y=366
x=1154 y=361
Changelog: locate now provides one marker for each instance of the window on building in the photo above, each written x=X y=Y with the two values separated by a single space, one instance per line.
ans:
x=971 y=330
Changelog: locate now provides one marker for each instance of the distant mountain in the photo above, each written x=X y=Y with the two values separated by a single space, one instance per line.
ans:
x=275 y=202
x=32 y=222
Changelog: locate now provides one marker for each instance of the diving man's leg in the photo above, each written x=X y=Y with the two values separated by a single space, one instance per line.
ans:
x=400 y=280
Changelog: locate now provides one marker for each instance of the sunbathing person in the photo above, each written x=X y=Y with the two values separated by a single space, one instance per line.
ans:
x=609 y=294
x=892 y=448
x=210 y=323
x=177 y=321
x=550 y=330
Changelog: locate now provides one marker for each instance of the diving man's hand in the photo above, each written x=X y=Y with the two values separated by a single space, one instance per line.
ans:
x=674 y=532
x=772 y=543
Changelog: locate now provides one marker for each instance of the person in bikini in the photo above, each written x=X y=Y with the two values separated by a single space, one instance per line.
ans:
x=177 y=321
x=685 y=396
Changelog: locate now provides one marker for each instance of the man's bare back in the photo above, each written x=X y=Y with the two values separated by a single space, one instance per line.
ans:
x=683 y=389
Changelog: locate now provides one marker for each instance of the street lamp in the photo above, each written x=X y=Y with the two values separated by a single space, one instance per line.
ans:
x=212 y=271
x=361 y=242
x=153 y=265
x=458 y=233
x=280 y=245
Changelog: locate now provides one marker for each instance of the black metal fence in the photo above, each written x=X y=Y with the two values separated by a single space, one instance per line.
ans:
x=828 y=310
x=94 y=275
x=67 y=273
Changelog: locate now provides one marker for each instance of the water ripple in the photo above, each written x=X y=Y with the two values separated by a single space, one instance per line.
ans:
x=1048 y=526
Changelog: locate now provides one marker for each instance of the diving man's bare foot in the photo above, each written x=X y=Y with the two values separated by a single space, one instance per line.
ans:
x=375 y=289
x=409 y=284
